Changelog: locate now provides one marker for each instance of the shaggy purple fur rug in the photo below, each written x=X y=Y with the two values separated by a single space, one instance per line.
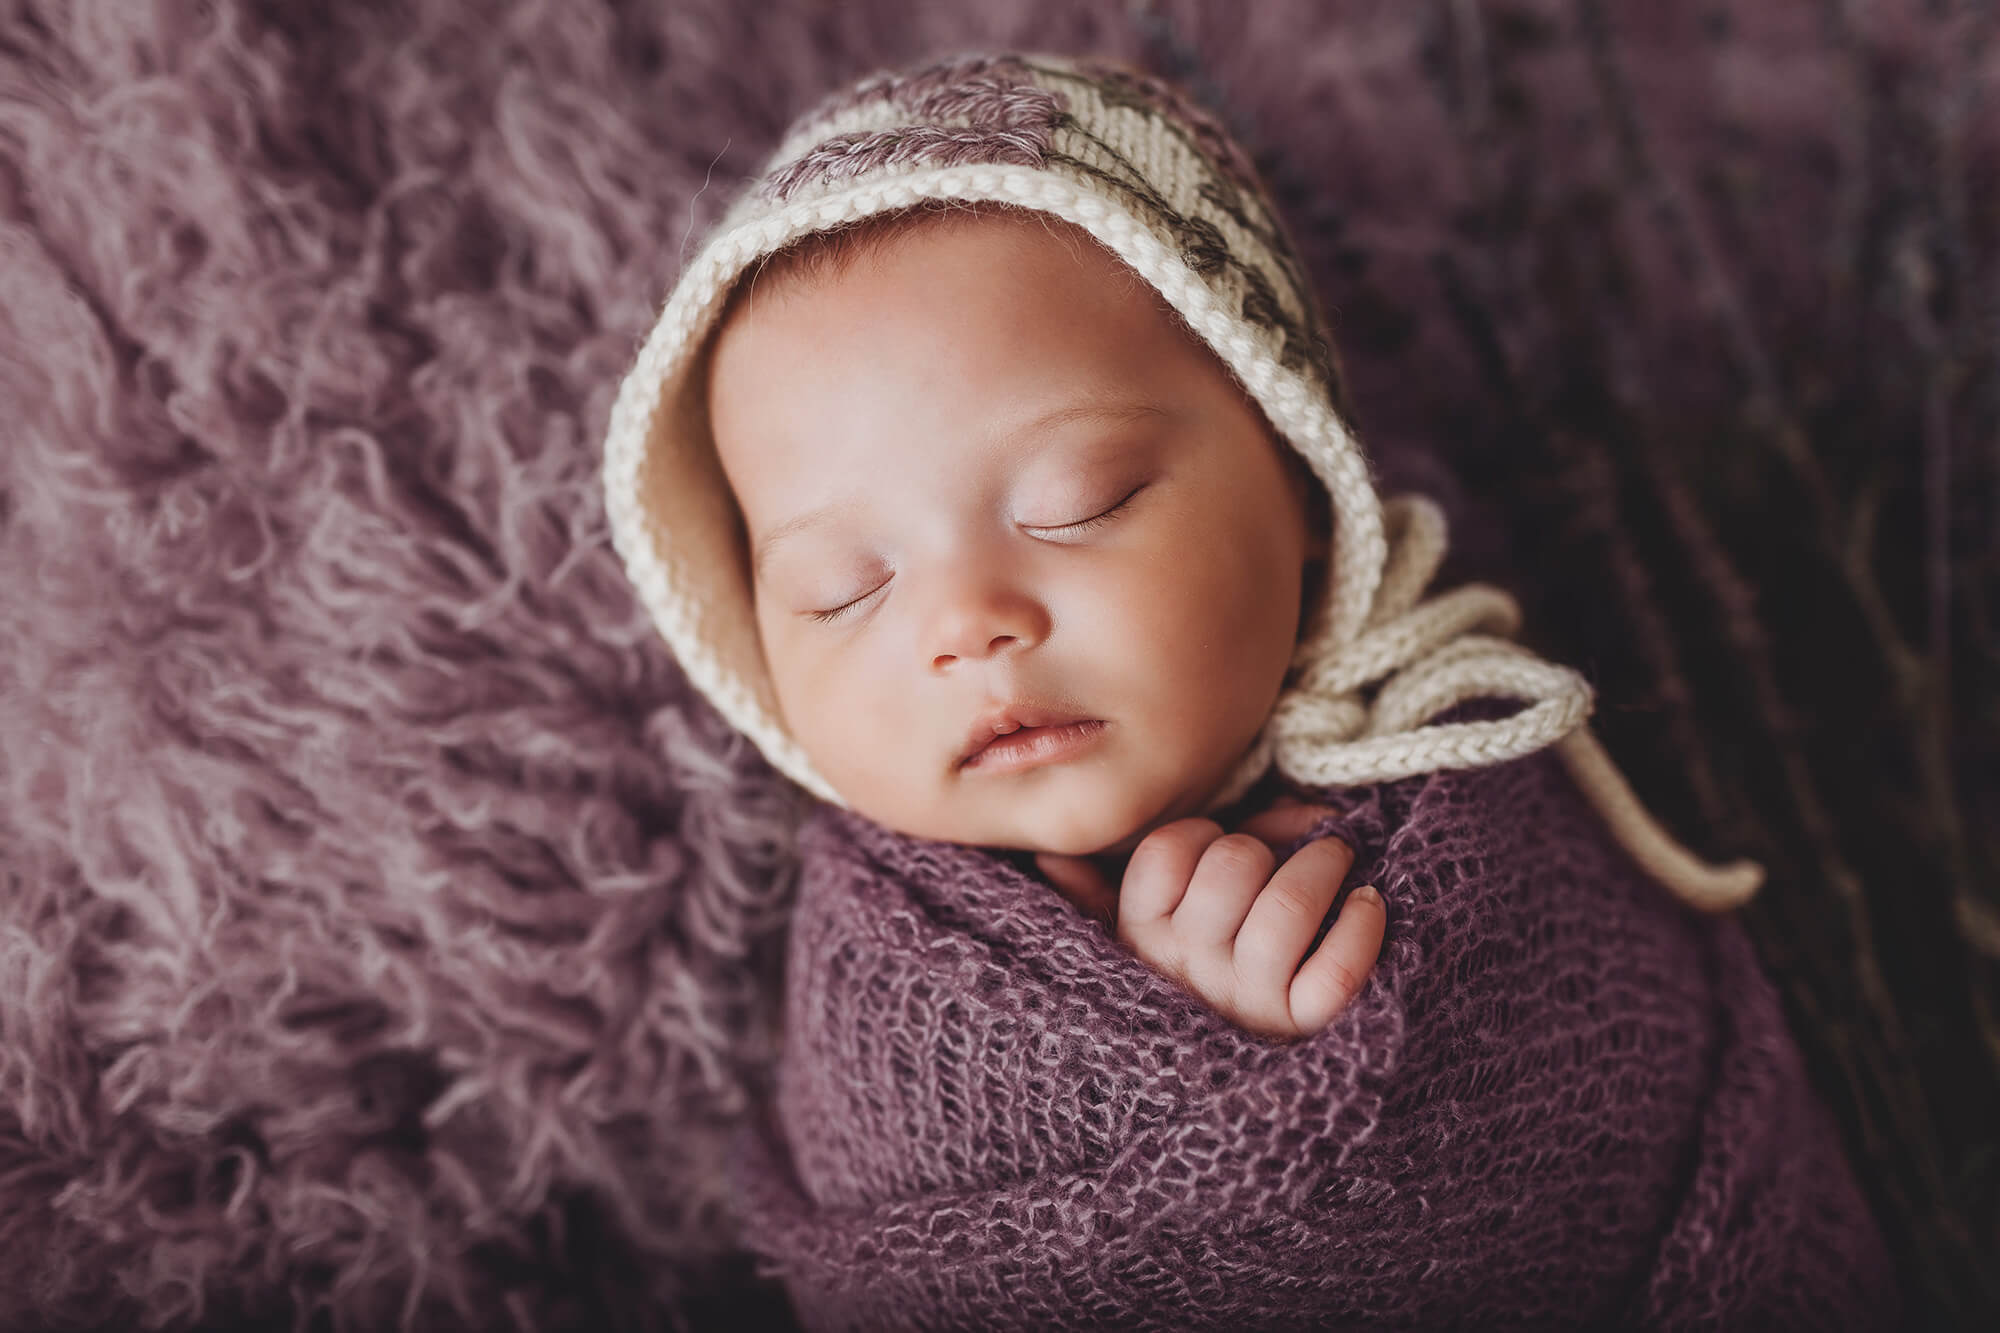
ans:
x=387 y=937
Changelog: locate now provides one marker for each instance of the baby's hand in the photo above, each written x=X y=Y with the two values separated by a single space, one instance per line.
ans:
x=1215 y=912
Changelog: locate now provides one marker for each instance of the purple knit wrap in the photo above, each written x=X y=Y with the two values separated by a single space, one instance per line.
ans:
x=1561 y=1101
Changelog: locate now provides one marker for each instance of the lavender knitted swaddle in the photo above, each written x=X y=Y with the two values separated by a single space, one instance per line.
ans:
x=1562 y=1100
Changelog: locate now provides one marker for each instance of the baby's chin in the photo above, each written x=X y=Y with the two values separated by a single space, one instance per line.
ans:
x=1086 y=844
x=1069 y=823
x=1087 y=821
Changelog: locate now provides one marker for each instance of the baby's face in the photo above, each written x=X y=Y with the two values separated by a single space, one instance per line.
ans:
x=987 y=480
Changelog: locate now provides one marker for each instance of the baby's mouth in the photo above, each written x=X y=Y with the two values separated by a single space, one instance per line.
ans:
x=1025 y=745
x=999 y=720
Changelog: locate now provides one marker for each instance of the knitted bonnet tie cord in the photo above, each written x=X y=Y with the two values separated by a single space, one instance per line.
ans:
x=1433 y=654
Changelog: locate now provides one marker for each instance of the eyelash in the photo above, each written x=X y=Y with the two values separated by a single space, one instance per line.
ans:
x=1081 y=525
x=841 y=610
x=1095 y=520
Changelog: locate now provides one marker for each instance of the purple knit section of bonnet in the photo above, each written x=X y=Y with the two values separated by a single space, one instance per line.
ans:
x=1007 y=119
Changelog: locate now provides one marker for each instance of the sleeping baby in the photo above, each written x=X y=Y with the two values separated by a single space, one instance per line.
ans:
x=988 y=468
x=1061 y=632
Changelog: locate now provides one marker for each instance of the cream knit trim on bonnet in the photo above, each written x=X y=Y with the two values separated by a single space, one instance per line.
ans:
x=1158 y=183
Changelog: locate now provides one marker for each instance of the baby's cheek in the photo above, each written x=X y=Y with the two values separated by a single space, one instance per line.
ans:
x=810 y=687
x=1218 y=613
x=848 y=715
x=1227 y=640
x=866 y=733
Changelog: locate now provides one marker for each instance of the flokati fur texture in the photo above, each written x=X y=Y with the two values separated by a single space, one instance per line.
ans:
x=380 y=920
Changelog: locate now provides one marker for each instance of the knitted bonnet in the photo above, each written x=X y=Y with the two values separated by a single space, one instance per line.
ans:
x=1157 y=182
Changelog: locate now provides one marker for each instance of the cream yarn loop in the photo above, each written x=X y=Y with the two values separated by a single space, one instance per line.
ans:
x=1431 y=655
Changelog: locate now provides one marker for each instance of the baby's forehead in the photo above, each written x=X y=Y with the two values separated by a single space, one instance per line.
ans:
x=1042 y=317
x=867 y=253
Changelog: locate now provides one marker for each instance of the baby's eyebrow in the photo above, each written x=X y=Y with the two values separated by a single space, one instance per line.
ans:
x=1111 y=412
x=1116 y=413
x=791 y=527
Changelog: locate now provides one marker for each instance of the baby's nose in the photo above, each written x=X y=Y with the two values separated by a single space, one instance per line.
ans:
x=993 y=645
x=983 y=623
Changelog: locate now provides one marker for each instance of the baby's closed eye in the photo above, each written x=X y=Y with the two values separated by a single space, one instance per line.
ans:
x=1094 y=517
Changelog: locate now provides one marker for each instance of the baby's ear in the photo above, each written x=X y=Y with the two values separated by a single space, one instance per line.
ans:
x=1319 y=536
x=1318 y=504
x=1319 y=526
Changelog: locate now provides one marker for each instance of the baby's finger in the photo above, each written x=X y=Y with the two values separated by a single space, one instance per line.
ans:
x=1282 y=922
x=1157 y=875
x=1283 y=825
x=1335 y=973
x=1232 y=872
x=1082 y=883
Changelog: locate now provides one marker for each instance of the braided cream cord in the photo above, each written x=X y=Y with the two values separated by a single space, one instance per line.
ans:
x=1431 y=655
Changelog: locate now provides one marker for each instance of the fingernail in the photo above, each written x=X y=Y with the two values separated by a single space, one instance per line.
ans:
x=1367 y=891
